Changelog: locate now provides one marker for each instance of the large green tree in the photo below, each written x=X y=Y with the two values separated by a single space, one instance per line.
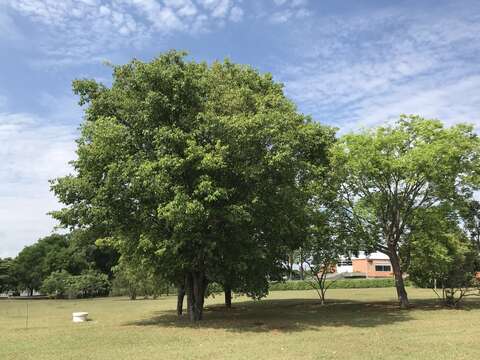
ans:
x=388 y=173
x=196 y=167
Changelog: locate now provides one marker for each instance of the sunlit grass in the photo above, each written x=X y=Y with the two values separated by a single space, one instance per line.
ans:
x=355 y=324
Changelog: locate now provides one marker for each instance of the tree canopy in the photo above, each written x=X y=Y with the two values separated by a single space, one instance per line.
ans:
x=388 y=173
x=197 y=168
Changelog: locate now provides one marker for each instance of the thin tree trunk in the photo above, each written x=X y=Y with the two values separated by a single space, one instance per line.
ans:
x=180 y=297
x=290 y=266
x=323 y=290
x=228 y=297
x=399 y=283
x=189 y=291
x=302 y=275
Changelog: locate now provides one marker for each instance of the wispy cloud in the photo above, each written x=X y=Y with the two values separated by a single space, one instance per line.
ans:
x=349 y=68
x=32 y=151
x=287 y=10
x=88 y=30
x=355 y=71
x=8 y=30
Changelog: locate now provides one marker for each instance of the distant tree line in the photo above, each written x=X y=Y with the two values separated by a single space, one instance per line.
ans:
x=56 y=257
x=193 y=174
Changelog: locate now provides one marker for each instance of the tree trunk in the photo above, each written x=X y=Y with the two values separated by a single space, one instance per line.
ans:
x=195 y=287
x=290 y=266
x=322 y=297
x=302 y=275
x=180 y=297
x=189 y=292
x=399 y=283
x=228 y=297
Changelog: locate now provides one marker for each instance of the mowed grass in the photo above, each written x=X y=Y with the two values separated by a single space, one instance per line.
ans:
x=355 y=324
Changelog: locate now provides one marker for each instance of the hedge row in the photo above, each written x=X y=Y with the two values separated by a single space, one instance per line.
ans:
x=338 y=284
x=215 y=288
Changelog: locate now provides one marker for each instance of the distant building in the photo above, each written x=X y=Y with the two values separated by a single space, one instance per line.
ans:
x=373 y=265
x=345 y=265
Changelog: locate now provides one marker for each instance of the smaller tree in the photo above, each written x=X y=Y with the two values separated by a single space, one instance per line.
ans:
x=137 y=278
x=91 y=283
x=324 y=255
x=444 y=259
x=57 y=284
x=390 y=173
x=88 y=284
x=324 y=246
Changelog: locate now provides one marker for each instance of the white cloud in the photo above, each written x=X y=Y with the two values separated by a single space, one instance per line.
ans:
x=8 y=30
x=32 y=152
x=289 y=10
x=358 y=71
x=236 y=14
x=89 y=30
x=454 y=101
x=217 y=8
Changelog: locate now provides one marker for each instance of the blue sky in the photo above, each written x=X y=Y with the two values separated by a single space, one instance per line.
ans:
x=348 y=63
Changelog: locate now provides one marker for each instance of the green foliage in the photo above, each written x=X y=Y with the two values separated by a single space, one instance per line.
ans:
x=7 y=277
x=74 y=253
x=214 y=288
x=195 y=168
x=57 y=284
x=134 y=277
x=470 y=214
x=443 y=258
x=88 y=284
x=388 y=173
x=28 y=268
x=327 y=240
x=336 y=284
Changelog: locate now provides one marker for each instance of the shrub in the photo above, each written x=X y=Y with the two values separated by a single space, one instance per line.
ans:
x=136 y=278
x=337 y=284
x=213 y=289
x=89 y=284
x=446 y=263
x=56 y=284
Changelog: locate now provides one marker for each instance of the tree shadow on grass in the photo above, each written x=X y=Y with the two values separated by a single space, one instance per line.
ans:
x=285 y=315
x=468 y=304
x=141 y=298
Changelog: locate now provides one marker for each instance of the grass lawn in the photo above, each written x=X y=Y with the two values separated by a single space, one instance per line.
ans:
x=355 y=324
